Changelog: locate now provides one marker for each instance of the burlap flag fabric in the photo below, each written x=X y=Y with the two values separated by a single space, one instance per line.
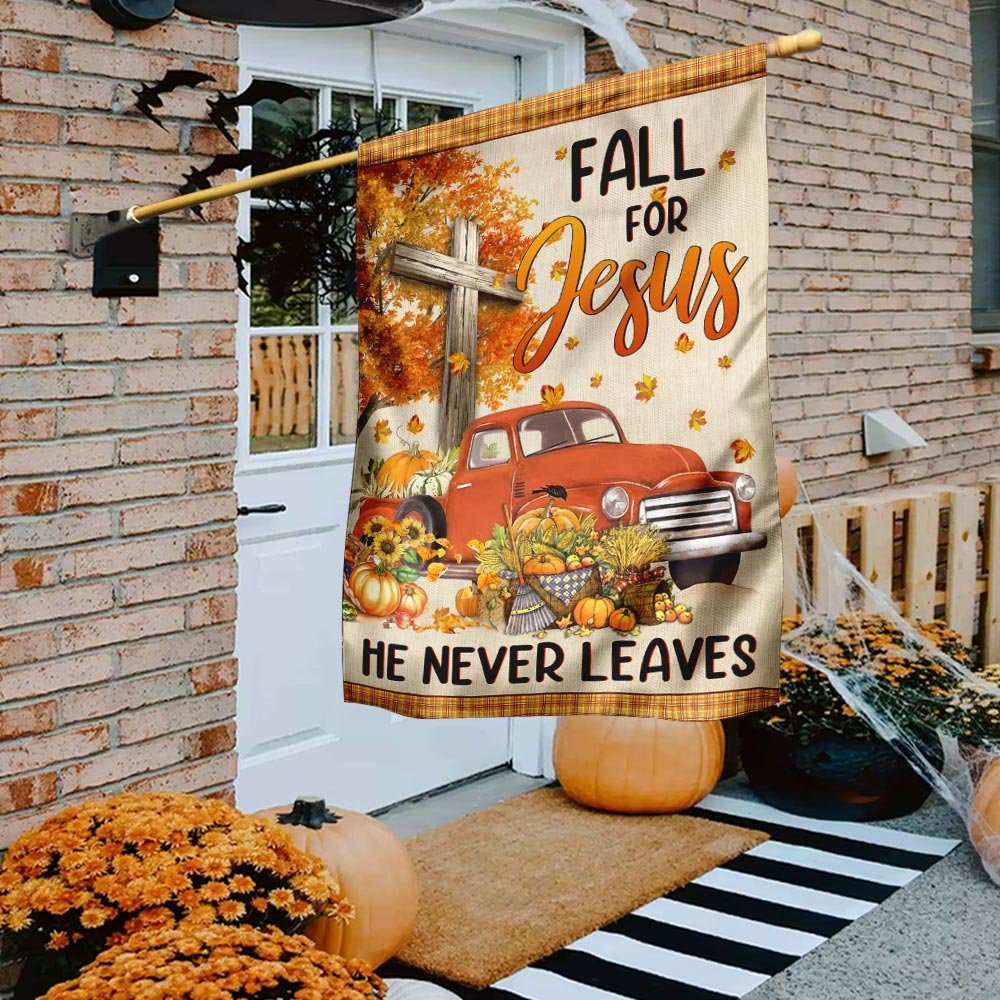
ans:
x=565 y=497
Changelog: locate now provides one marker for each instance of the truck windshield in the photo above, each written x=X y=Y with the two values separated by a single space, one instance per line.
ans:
x=563 y=428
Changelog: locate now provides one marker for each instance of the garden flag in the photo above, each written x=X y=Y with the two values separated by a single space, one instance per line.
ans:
x=565 y=497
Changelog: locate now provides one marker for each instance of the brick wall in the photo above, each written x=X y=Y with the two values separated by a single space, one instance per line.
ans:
x=117 y=428
x=869 y=144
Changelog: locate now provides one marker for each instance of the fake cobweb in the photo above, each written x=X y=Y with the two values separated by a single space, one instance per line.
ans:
x=607 y=18
x=915 y=684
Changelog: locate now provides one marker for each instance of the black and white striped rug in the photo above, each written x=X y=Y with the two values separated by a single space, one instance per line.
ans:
x=730 y=930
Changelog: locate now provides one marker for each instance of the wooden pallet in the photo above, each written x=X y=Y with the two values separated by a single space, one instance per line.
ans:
x=934 y=549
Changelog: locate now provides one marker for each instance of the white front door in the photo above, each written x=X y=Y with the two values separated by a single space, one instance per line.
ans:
x=298 y=391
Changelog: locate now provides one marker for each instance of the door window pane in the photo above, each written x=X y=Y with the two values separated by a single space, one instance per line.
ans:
x=283 y=392
x=347 y=106
x=277 y=299
x=277 y=126
x=985 y=24
x=986 y=230
x=420 y=113
x=343 y=388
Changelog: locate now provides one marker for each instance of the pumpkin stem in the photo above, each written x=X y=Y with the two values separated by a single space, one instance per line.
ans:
x=412 y=444
x=310 y=812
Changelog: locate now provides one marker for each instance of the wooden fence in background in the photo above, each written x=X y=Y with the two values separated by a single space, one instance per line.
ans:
x=283 y=371
x=934 y=549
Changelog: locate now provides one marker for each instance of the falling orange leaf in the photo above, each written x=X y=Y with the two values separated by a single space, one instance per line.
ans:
x=552 y=395
x=558 y=235
x=725 y=361
x=382 y=431
x=459 y=362
x=727 y=160
x=683 y=343
x=596 y=380
x=487 y=579
x=561 y=153
x=476 y=545
x=498 y=280
x=565 y=621
x=743 y=450
x=658 y=194
x=559 y=269
x=645 y=388
x=697 y=420
x=572 y=342
x=414 y=425
x=434 y=570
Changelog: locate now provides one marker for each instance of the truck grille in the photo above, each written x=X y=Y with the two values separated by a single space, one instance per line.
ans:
x=691 y=515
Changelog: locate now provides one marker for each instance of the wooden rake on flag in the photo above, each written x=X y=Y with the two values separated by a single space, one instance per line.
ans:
x=528 y=612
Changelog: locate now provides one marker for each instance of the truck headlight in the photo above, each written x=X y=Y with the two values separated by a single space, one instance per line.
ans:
x=745 y=487
x=614 y=503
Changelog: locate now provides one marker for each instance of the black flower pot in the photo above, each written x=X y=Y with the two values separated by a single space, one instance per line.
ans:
x=831 y=778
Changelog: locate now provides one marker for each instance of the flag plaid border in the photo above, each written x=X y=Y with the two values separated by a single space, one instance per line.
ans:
x=612 y=93
x=685 y=707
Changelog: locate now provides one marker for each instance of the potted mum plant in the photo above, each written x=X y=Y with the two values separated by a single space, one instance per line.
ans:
x=103 y=870
x=812 y=754
x=195 y=961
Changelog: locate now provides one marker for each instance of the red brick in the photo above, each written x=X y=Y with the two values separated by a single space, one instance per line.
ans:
x=44 y=751
x=120 y=486
x=49 y=604
x=20 y=274
x=50 y=532
x=211 y=478
x=123 y=345
x=46 y=19
x=177 y=581
x=216 y=740
x=29 y=53
x=27 y=424
x=28 y=498
x=178 y=446
x=199 y=40
x=75 y=164
x=211 y=544
x=39 y=459
x=60 y=675
x=178 y=513
x=27 y=720
x=62 y=383
x=120 y=133
x=214 y=676
x=24 y=793
x=29 y=572
x=29 y=199
x=173 y=716
x=101 y=417
x=124 y=696
x=213 y=410
x=26 y=647
x=129 y=626
x=213 y=342
x=173 y=650
x=34 y=235
x=120 y=556
x=59 y=308
x=23 y=349
x=200 y=307
x=179 y=376
x=119 y=62
x=214 y=610
x=120 y=764
x=209 y=773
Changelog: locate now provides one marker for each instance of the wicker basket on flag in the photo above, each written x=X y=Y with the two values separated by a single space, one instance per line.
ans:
x=560 y=592
x=641 y=598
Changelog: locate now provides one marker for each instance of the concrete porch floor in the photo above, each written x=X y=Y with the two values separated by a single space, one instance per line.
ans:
x=936 y=939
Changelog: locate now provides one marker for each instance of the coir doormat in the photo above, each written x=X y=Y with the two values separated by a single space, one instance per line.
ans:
x=505 y=887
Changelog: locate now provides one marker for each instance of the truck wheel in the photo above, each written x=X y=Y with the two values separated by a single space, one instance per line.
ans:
x=712 y=569
x=426 y=510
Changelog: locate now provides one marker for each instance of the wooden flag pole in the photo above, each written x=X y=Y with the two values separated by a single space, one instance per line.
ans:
x=785 y=45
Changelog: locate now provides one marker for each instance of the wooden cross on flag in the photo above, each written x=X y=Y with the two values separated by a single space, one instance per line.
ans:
x=465 y=279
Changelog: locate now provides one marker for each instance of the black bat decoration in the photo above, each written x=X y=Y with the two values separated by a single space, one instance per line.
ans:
x=150 y=96
x=197 y=178
x=556 y=492
x=225 y=111
x=242 y=261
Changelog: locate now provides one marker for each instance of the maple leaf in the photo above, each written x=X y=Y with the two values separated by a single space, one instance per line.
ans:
x=561 y=153
x=565 y=621
x=414 y=425
x=446 y=621
x=476 y=545
x=596 y=380
x=645 y=388
x=683 y=343
x=434 y=571
x=552 y=395
x=558 y=236
x=572 y=342
x=382 y=432
x=697 y=420
x=725 y=361
x=459 y=363
x=487 y=579
x=727 y=160
x=559 y=269
x=743 y=450
x=658 y=194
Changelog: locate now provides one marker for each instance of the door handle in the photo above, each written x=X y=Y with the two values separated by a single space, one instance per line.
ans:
x=267 y=508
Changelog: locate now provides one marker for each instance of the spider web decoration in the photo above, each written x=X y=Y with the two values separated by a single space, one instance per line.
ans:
x=308 y=239
x=919 y=689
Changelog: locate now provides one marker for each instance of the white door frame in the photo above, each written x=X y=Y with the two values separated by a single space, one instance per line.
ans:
x=549 y=54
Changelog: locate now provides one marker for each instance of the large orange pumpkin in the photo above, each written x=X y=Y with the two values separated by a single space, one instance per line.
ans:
x=984 y=818
x=788 y=485
x=626 y=765
x=376 y=589
x=374 y=871
x=593 y=612
x=397 y=470
x=546 y=517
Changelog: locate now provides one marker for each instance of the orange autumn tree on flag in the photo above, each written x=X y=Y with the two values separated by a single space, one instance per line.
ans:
x=414 y=201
